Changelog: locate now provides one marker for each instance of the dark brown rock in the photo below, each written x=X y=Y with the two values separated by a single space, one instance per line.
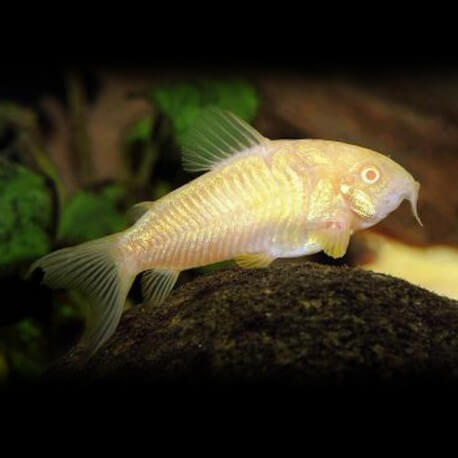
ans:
x=295 y=323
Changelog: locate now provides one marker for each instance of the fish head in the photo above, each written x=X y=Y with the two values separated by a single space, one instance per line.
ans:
x=373 y=185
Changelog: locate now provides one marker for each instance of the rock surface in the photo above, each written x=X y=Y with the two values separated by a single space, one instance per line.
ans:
x=296 y=323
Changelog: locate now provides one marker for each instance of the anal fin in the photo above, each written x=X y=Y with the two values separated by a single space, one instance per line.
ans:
x=157 y=285
x=254 y=260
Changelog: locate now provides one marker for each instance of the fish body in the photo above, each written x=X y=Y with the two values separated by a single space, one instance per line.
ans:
x=254 y=204
x=274 y=200
x=259 y=200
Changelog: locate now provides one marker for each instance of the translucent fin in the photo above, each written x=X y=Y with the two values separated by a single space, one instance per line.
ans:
x=157 y=284
x=254 y=260
x=93 y=269
x=217 y=135
x=138 y=210
x=333 y=241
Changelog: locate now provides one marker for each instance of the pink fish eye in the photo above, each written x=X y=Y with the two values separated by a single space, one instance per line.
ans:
x=370 y=175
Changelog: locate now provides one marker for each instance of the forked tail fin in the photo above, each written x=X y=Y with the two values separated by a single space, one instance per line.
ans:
x=98 y=271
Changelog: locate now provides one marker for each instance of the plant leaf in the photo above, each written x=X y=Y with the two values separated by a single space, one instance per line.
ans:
x=26 y=215
x=183 y=102
x=89 y=215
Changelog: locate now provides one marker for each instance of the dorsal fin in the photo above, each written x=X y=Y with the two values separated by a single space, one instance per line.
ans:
x=217 y=135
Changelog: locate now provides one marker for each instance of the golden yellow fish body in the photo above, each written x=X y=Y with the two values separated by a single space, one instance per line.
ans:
x=259 y=200
x=255 y=204
x=268 y=201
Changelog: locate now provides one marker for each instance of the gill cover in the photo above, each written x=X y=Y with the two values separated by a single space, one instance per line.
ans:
x=361 y=203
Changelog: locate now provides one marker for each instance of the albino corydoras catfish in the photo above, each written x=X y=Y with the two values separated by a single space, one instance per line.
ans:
x=259 y=200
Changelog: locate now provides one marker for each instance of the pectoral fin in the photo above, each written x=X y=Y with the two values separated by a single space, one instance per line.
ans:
x=254 y=260
x=333 y=239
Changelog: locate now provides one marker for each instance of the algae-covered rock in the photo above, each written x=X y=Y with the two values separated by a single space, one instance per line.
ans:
x=294 y=323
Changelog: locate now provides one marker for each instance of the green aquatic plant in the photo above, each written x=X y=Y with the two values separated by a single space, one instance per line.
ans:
x=89 y=215
x=183 y=102
x=26 y=209
x=141 y=130
x=26 y=356
x=29 y=143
